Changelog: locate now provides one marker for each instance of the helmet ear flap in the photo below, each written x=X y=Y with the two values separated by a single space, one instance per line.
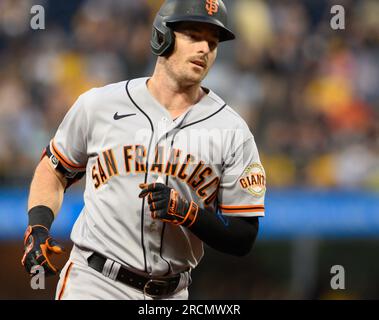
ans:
x=162 y=39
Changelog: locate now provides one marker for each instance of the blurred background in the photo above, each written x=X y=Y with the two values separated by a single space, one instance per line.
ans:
x=310 y=95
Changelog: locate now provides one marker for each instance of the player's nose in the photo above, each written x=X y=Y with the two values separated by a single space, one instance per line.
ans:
x=203 y=47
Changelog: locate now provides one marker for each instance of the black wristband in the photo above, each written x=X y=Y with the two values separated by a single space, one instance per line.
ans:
x=41 y=215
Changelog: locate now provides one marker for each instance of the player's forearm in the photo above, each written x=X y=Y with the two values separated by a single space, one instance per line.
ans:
x=234 y=236
x=47 y=188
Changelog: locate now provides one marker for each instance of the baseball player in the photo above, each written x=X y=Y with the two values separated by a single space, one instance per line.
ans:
x=168 y=166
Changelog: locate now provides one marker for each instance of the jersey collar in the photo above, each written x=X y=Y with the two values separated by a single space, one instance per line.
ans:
x=209 y=105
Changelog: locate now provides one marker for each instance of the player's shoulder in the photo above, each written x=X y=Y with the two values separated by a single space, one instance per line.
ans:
x=227 y=116
x=98 y=94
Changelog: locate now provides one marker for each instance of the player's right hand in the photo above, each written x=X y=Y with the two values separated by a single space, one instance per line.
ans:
x=168 y=206
x=38 y=247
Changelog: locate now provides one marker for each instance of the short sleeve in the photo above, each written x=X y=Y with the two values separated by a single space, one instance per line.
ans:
x=243 y=183
x=69 y=144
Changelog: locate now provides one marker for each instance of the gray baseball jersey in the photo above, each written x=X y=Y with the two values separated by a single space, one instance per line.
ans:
x=121 y=137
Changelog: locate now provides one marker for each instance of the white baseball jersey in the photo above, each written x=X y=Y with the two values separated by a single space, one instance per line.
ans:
x=121 y=137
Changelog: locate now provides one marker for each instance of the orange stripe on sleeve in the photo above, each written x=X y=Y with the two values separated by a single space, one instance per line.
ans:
x=63 y=159
x=243 y=208
x=65 y=281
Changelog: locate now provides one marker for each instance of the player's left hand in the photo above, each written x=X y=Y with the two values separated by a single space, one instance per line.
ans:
x=167 y=205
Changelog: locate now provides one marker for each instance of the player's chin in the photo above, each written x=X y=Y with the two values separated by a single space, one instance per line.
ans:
x=198 y=74
x=197 y=69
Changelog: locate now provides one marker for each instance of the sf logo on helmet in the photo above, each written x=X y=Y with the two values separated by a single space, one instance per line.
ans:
x=212 y=7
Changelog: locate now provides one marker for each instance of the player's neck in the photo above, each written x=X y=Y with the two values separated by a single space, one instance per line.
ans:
x=175 y=98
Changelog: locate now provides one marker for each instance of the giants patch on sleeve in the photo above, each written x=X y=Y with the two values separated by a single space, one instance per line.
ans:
x=253 y=180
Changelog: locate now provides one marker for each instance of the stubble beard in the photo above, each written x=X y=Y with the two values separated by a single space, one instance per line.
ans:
x=184 y=76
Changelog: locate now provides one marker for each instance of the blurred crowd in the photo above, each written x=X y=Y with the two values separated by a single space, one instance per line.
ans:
x=309 y=93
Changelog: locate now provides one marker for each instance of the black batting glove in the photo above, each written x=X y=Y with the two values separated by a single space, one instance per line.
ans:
x=167 y=205
x=38 y=247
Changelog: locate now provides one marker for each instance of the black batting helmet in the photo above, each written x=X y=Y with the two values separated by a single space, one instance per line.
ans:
x=173 y=11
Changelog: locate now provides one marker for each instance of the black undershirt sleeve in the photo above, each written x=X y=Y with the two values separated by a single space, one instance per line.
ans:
x=232 y=235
